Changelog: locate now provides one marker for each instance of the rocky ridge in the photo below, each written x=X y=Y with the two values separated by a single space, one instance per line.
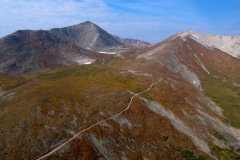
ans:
x=227 y=44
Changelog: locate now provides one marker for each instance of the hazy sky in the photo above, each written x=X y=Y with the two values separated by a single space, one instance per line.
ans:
x=149 y=20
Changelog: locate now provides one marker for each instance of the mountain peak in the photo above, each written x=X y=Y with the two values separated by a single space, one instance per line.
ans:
x=87 y=22
x=187 y=33
x=92 y=37
x=227 y=44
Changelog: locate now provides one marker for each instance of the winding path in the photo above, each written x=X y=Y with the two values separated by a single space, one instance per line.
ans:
x=98 y=123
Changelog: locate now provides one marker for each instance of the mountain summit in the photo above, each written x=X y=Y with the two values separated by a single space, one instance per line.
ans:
x=28 y=51
x=90 y=36
x=227 y=44
x=87 y=35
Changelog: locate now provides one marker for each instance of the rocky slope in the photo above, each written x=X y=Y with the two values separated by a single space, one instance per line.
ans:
x=87 y=35
x=178 y=99
x=34 y=51
x=227 y=44
x=90 y=36
x=215 y=74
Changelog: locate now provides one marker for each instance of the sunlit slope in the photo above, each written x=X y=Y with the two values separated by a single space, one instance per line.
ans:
x=189 y=109
x=48 y=108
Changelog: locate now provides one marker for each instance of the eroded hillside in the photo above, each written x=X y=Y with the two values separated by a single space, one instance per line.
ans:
x=175 y=100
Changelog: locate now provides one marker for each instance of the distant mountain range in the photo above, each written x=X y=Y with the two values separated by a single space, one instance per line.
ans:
x=31 y=51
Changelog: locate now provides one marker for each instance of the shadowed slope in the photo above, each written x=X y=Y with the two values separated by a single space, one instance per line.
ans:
x=34 y=51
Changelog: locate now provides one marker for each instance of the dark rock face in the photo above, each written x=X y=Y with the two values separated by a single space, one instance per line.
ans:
x=90 y=36
x=87 y=35
x=32 y=51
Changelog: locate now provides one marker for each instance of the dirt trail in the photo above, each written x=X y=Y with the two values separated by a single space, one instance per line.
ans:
x=98 y=123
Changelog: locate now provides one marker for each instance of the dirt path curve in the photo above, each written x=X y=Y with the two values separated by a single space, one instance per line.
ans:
x=98 y=123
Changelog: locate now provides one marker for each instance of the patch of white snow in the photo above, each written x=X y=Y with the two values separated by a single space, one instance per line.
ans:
x=87 y=62
x=107 y=52
x=82 y=60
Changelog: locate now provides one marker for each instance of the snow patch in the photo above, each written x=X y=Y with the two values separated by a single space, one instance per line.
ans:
x=107 y=52
x=84 y=60
x=87 y=62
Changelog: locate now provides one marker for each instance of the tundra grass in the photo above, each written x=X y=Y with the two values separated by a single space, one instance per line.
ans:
x=224 y=154
x=226 y=95
x=50 y=99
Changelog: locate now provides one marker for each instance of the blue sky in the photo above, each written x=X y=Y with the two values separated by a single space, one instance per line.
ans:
x=149 y=20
